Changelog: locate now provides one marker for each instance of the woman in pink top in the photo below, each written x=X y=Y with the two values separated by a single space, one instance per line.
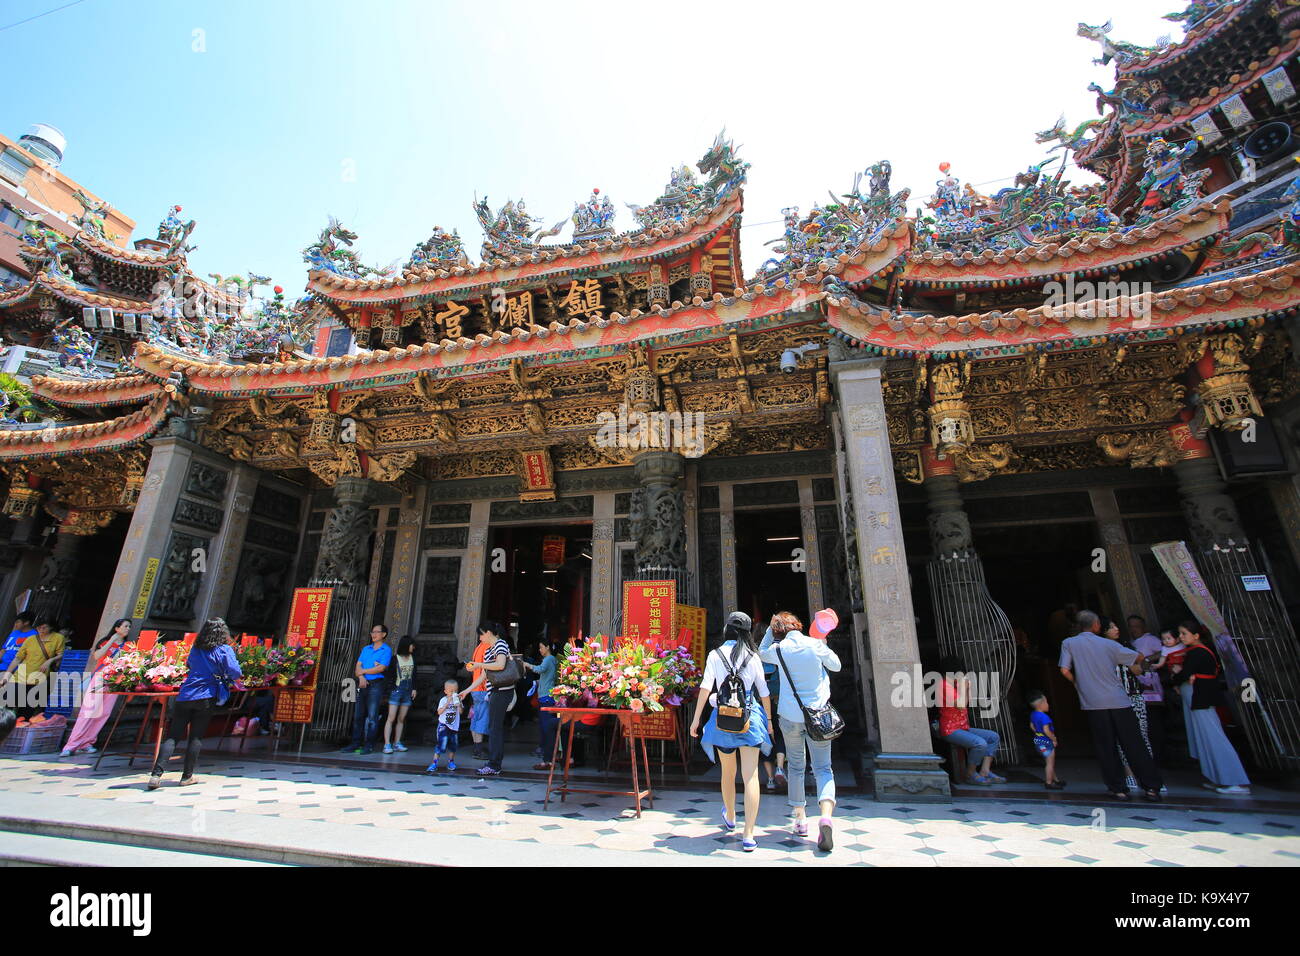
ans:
x=96 y=707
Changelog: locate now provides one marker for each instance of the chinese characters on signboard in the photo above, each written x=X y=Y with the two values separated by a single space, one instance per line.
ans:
x=308 y=618
x=650 y=613
x=524 y=310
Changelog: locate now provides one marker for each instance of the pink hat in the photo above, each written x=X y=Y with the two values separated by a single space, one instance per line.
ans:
x=823 y=623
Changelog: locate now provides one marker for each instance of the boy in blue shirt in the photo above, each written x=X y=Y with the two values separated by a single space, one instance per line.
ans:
x=1040 y=725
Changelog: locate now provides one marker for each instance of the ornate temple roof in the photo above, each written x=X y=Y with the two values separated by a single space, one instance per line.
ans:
x=95 y=392
x=56 y=441
x=1226 y=302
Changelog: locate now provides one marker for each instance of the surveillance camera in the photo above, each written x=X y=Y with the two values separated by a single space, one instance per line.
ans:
x=790 y=357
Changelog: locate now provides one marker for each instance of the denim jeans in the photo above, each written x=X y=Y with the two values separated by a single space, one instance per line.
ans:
x=546 y=727
x=365 y=723
x=796 y=761
x=978 y=742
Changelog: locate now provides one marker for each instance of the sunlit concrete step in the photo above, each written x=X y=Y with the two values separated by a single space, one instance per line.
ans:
x=27 y=849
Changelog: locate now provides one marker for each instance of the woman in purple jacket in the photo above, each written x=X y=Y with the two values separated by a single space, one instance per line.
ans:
x=213 y=668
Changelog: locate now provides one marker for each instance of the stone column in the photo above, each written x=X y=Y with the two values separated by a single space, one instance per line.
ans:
x=406 y=557
x=812 y=554
x=1211 y=513
x=691 y=501
x=1125 y=573
x=727 y=522
x=147 y=536
x=907 y=767
x=658 y=515
x=52 y=594
x=470 y=605
x=344 y=558
x=602 y=564
x=214 y=600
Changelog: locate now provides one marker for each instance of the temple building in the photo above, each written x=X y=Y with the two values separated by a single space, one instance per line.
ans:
x=949 y=422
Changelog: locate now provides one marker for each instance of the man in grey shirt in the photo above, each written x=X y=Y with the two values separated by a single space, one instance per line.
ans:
x=1088 y=660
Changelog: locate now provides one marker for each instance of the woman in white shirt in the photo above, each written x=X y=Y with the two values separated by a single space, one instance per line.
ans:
x=738 y=655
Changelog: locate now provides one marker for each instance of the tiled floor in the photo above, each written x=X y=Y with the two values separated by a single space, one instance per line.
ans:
x=983 y=832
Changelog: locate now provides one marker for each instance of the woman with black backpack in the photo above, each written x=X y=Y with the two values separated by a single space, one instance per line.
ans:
x=741 y=720
x=1200 y=680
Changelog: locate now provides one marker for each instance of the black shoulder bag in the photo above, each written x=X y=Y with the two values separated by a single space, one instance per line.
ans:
x=822 y=723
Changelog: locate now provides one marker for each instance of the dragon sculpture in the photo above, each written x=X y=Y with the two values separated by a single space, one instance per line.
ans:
x=93 y=212
x=723 y=167
x=1073 y=140
x=1195 y=12
x=331 y=252
x=1120 y=52
x=512 y=230
x=245 y=287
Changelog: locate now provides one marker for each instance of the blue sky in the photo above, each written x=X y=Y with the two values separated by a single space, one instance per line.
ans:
x=263 y=118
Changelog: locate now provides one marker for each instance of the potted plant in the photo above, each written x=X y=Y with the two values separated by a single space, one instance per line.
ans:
x=254 y=665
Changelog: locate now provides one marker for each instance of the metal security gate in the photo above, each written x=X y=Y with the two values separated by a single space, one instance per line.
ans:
x=1263 y=649
x=971 y=626
x=347 y=634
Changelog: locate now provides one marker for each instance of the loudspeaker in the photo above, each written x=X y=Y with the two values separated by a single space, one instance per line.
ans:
x=1170 y=269
x=1270 y=142
x=1239 y=458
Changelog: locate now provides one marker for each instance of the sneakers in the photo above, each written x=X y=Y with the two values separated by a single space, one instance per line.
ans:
x=432 y=768
x=727 y=825
x=388 y=748
x=1055 y=785
x=451 y=766
x=801 y=827
x=1233 y=789
x=825 y=842
x=155 y=782
x=489 y=771
x=189 y=781
x=749 y=846
x=89 y=749
x=67 y=753
x=779 y=777
x=350 y=749
x=399 y=747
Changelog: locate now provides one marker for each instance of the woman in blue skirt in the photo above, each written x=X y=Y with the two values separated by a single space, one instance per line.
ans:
x=739 y=656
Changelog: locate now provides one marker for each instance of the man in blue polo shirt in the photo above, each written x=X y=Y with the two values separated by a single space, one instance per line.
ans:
x=22 y=630
x=371 y=665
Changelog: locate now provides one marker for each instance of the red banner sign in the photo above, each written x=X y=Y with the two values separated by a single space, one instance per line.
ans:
x=553 y=546
x=650 y=613
x=308 y=617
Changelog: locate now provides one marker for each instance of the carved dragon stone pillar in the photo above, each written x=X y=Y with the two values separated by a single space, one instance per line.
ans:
x=344 y=558
x=658 y=515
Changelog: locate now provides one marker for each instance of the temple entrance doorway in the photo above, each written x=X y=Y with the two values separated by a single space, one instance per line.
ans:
x=88 y=590
x=1033 y=572
x=769 y=574
x=539 y=582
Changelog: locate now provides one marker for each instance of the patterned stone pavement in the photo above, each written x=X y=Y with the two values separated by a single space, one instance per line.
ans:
x=966 y=833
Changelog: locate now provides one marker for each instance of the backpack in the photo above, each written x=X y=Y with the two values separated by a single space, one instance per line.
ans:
x=733 y=696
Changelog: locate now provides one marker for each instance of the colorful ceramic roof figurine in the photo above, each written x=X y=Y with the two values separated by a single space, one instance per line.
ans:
x=593 y=219
x=331 y=252
x=512 y=230
x=442 y=250
x=1121 y=52
x=1167 y=185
